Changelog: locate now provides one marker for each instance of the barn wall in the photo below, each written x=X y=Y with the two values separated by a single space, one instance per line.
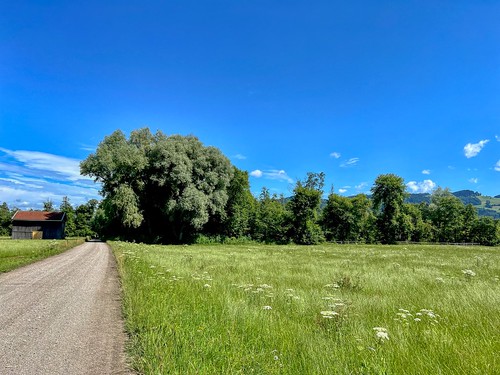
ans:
x=20 y=232
x=51 y=230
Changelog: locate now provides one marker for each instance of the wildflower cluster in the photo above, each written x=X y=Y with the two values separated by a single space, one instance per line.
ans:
x=336 y=308
x=423 y=316
x=256 y=289
x=381 y=334
x=469 y=274
x=290 y=294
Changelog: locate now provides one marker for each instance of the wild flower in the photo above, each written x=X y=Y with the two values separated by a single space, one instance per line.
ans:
x=208 y=286
x=424 y=316
x=329 y=314
x=267 y=308
x=381 y=334
x=468 y=273
x=334 y=285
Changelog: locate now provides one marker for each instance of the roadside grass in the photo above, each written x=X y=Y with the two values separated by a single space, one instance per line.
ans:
x=17 y=253
x=329 y=309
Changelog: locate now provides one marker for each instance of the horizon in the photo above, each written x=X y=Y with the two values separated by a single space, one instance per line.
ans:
x=352 y=90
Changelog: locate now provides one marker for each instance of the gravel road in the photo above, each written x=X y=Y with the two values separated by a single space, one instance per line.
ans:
x=62 y=315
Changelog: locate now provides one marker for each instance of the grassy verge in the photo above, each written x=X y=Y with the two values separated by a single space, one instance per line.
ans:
x=17 y=253
x=311 y=310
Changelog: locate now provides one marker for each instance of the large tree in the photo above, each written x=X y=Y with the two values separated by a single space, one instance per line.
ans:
x=304 y=206
x=447 y=215
x=271 y=219
x=70 y=226
x=389 y=192
x=337 y=219
x=159 y=187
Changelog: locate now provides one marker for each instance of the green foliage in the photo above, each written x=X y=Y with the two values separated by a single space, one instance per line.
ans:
x=70 y=225
x=240 y=206
x=48 y=205
x=388 y=197
x=446 y=212
x=304 y=206
x=486 y=231
x=271 y=221
x=5 y=220
x=338 y=220
x=165 y=187
x=172 y=189
x=271 y=309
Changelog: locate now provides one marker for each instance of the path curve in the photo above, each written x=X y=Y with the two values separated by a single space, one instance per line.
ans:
x=62 y=315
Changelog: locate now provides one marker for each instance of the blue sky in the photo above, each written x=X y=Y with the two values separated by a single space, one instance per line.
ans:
x=354 y=89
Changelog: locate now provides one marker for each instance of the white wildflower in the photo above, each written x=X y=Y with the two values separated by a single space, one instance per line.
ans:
x=381 y=334
x=267 y=308
x=469 y=273
x=207 y=286
x=329 y=314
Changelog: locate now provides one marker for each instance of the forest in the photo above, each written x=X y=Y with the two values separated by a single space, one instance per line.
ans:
x=173 y=189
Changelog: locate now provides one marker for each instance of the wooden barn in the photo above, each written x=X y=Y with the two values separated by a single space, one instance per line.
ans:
x=38 y=225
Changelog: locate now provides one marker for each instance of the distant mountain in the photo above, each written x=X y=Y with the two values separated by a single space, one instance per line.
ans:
x=485 y=205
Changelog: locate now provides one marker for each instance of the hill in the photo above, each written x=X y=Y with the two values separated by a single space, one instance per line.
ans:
x=485 y=205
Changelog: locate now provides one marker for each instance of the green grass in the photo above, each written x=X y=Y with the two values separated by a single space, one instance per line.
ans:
x=203 y=309
x=17 y=253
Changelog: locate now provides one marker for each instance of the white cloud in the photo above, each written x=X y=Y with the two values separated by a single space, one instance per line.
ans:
x=497 y=166
x=64 y=167
x=426 y=171
x=335 y=155
x=85 y=147
x=240 y=157
x=272 y=174
x=278 y=175
x=28 y=178
x=472 y=149
x=342 y=191
x=474 y=180
x=497 y=138
x=425 y=186
x=257 y=173
x=350 y=163
x=361 y=186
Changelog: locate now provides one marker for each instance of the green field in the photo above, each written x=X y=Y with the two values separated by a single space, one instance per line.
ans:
x=17 y=253
x=327 y=309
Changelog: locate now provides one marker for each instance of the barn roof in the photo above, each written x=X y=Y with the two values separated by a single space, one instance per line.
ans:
x=38 y=216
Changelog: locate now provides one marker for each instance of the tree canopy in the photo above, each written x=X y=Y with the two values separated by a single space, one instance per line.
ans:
x=159 y=186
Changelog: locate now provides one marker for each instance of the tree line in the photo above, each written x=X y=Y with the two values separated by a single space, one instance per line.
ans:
x=173 y=189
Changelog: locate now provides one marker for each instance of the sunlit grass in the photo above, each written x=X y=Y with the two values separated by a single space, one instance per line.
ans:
x=311 y=310
x=17 y=253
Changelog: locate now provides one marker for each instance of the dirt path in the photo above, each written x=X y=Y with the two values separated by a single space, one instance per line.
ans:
x=62 y=315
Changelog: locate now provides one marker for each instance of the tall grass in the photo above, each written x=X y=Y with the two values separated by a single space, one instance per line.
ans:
x=17 y=253
x=311 y=310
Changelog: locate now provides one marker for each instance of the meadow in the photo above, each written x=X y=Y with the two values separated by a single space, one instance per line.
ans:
x=17 y=253
x=328 y=309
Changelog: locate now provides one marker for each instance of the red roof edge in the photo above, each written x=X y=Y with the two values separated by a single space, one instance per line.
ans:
x=38 y=216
